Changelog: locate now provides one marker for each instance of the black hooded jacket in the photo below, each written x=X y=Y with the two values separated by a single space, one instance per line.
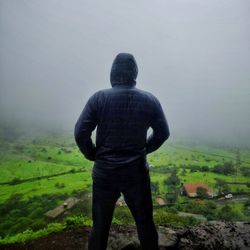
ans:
x=122 y=114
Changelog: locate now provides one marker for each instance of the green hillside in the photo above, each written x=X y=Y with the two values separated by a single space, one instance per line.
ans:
x=38 y=173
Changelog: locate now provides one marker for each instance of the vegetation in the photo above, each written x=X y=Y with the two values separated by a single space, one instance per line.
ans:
x=29 y=234
x=39 y=173
x=226 y=168
x=202 y=192
x=18 y=214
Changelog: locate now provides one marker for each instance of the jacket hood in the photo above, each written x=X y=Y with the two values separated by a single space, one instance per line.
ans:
x=124 y=70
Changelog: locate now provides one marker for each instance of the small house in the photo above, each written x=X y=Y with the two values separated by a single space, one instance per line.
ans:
x=191 y=189
x=160 y=201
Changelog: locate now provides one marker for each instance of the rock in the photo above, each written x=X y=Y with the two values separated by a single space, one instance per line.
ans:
x=167 y=237
x=123 y=240
x=215 y=235
x=211 y=235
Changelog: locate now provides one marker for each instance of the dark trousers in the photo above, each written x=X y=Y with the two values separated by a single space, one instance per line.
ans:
x=134 y=183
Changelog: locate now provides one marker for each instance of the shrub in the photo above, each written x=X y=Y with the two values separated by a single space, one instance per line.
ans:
x=173 y=179
x=227 y=213
x=206 y=208
x=202 y=192
x=44 y=150
x=124 y=215
x=245 y=171
x=15 y=181
x=155 y=187
x=226 y=168
x=76 y=221
x=172 y=197
x=165 y=218
x=205 y=169
x=59 y=185
x=31 y=235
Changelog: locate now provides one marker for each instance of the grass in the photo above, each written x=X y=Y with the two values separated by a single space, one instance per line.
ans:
x=31 y=235
x=72 y=182
x=49 y=155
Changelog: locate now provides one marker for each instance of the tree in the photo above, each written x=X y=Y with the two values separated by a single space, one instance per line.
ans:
x=194 y=168
x=238 y=160
x=209 y=209
x=247 y=203
x=227 y=213
x=184 y=171
x=226 y=169
x=245 y=171
x=155 y=187
x=205 y=169
x=172 y=197
x=173 y=179
x=220 y=184
x=226 y=189
x=202 y=192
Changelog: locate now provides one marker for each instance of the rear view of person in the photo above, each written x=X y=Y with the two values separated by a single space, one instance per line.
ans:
x=122 y=114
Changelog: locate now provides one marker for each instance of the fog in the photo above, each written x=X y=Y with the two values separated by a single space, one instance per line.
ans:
x=193 y=55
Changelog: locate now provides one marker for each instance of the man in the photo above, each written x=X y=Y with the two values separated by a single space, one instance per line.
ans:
x=122 y=114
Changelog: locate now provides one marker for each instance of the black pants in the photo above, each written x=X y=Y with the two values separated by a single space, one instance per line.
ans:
x=134 y=183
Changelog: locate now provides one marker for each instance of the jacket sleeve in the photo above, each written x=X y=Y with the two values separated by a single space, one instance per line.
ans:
x=160 y=129
x=84 y=126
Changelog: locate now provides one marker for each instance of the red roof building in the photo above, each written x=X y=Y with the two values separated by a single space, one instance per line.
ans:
x=191 y=189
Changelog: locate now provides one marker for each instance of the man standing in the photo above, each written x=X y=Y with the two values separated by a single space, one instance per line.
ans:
x=122 y=114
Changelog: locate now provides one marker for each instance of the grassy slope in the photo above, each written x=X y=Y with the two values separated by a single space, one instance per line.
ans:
x=180 y=156
x=49 y=155
x=43 y=157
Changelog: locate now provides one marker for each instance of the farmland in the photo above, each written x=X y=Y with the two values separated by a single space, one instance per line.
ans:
x=39 y=173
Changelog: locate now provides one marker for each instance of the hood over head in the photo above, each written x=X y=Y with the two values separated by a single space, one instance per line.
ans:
x=124 y=70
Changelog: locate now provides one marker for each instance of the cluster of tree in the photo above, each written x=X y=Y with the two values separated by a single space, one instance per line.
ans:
x=162 y=169
x=173 y=179
x=226 y=168
x=165 y=217
x=18 y=214
x=223 y=187
x=229 y=214
x=247 y=207
x=204 y=207
x=245 y=171
x=212 y=211
x=172 y=196
x=17 y=180
x=155 y=187
x=195 y=168
x=173 y=183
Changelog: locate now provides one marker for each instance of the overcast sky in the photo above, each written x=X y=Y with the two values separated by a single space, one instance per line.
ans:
x=194 y=55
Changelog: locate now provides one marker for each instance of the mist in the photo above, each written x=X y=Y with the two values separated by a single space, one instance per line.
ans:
x=194 y=56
